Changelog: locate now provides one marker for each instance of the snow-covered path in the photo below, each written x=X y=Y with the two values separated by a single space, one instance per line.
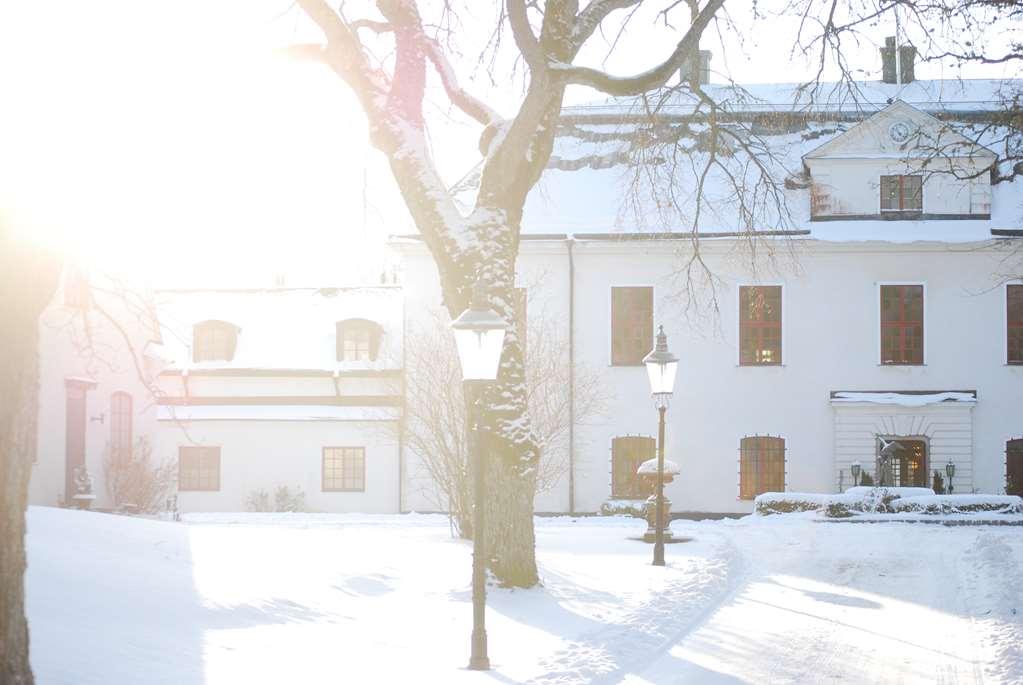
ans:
x=853 y=603
x=346 y=598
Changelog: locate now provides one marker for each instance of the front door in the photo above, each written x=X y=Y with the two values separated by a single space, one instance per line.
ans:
x=908 y=463
x=1014 y=467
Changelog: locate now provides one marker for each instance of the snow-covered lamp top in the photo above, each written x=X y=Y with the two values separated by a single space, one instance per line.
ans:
x=661 y=366
x=479 y=336
x=649 y=468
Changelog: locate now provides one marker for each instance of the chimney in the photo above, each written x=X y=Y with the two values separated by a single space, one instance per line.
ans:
x=907 y=57
x=699 y=76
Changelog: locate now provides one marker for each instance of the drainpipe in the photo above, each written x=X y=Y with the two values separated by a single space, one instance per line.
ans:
x=569 y=243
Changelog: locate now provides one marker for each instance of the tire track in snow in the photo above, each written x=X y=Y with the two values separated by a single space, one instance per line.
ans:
x=650 y=630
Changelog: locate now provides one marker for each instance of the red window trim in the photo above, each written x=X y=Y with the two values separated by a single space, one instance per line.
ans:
x=902 y=193
x=902 y=323
x=755 y=327
x=1013 y=325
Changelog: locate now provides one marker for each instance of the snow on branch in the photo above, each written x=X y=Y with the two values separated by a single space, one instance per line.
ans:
x=459 y=97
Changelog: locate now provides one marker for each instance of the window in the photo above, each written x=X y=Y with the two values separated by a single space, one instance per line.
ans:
x=902 y=324
x=902 y=193
x=632 y=325
x=198 y=468
x=214 y=341
x=120 y=427
x=761 y=466
x=1014 y=320
x=627 y=453
x=357 y=340
x=1014 y=467
x=344 y=469
x=760 y=325
x=908 y=463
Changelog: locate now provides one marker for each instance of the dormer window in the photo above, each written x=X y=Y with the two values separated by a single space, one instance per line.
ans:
x=357 y=340
x=902 y=193
x=214 y=341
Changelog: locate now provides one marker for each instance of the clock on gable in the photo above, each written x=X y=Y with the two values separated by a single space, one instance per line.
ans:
x=899 y=132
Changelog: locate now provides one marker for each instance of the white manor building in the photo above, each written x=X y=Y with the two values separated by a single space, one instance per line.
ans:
x=886 y=304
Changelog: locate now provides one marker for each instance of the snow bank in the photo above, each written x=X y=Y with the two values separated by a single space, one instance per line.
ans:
x=884 y=501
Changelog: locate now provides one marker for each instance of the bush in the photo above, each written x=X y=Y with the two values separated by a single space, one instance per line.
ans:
x=624 y=507
x=838 y=510
x=284 y=500
x=960 y=504
x=134 y=482
x=788 y=503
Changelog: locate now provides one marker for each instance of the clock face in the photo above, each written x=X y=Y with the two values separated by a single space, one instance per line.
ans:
x=899 y=131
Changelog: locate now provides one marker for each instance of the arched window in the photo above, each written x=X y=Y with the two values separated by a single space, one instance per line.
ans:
x=761 y=466
x=358 y=340
x=214 y=341
x=627 y=453
x=120 y=427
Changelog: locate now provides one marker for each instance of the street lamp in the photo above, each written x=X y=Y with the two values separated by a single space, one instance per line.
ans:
x=479 y=336
x=855 y=470
x=661 y=366
x=950 y=471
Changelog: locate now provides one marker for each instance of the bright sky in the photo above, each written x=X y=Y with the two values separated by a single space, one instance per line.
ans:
x=170 y=140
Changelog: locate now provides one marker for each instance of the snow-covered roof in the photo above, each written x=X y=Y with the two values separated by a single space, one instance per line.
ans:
x=280 y=329
x=275 y=412
x=611 y=173
x=905 y=398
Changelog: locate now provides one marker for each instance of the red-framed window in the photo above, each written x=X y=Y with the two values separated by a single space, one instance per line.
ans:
x=902 y=324
x=357 y=340
x=902 y=193
x=627 y=453
x=761 y=466
x=198 y=468
x=344 y=469
x=632 y=324
x=760 y=325
x=214 y=341
x=1014 y=322
x=120 y=427
x=1014 y=467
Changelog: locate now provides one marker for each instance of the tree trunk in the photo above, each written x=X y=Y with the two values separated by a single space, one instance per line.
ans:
x=27 y=282
x=506 y=435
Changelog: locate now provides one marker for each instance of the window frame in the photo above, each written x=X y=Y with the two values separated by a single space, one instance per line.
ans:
x=1008 y=325
x=227 y=327
x=760 y=478
x=739 y=321
x=901 y=209
x=323 y=468
x=636 y=480
x=199 y=469
x=116 y=445
x=374 y=330
x=879 y=330
x=611 y=321
x=1016 y=438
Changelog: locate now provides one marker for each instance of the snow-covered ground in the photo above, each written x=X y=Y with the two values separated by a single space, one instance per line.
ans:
x=386 y=599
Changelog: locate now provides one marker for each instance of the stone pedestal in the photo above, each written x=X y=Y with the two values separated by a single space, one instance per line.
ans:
x=650 y=512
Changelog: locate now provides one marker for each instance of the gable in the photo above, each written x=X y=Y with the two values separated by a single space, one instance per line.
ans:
x=900 y=131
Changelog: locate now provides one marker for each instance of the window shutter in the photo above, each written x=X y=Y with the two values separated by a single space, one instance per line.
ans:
x=339 y=335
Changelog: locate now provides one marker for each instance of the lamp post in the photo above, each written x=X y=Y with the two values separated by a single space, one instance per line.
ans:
x=479 y=336
x=661 y=366
x=950 y=471
x=855 y=470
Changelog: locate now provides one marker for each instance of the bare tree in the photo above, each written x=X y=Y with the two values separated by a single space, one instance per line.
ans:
x=482 y=245
x=435 y=408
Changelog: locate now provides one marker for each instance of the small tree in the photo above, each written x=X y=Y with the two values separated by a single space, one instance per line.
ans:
x=435 y=410
x=136 y=481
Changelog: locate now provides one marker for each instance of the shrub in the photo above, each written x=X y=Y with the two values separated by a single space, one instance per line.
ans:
x=135 y=482
x=284 y=500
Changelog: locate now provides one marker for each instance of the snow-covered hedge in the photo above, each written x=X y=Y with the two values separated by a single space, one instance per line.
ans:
x=884 y=501
x=623 y=507
x=959 y=504
x=790 y=502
